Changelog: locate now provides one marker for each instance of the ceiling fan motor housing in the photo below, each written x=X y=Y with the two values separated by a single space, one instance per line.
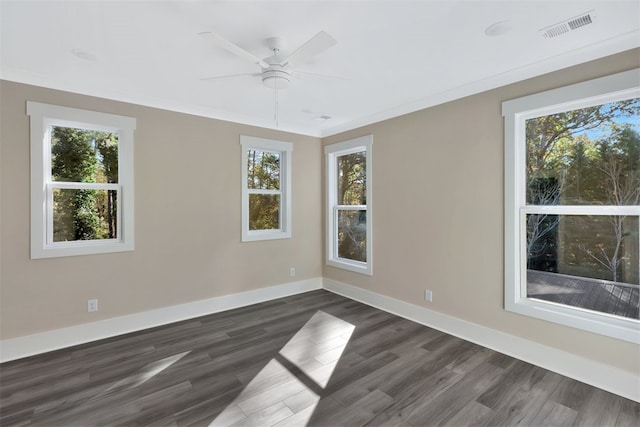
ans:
x=276 y=77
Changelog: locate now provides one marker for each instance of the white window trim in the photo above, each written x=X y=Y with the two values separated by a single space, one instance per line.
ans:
x=285 y=149
x=43 y=117
x=332 y=152
x=594 y=92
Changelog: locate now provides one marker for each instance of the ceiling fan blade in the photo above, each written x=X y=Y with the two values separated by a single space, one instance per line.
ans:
x=236 y=50
x=315 y=45
x=229 y=76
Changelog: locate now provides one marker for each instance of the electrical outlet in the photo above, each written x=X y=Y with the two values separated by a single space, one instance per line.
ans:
x=292 y=271
x=428 y=295
x=92 y=305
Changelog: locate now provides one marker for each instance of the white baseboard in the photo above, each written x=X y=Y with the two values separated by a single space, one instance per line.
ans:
x=573 y=366
x=582 y=369
x=29 y=345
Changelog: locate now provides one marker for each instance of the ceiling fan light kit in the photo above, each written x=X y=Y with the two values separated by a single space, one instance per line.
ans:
x=276 y=77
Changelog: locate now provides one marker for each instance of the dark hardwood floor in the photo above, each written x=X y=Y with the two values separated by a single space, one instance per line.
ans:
x=310 y=359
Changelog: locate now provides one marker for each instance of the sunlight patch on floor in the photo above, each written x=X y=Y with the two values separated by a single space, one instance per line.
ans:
x=143 y=375
x=317 y=347
x=287 y=390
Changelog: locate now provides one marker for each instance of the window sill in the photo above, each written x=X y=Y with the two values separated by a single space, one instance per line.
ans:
x=355 y=266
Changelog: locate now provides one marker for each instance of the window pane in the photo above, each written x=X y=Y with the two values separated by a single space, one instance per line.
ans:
x=352 y=179
x=80 y=155
x=264 y=211
x=585 y=156
x=352 y=235
x=263 y=169
x=585 y=261
x=84 y=214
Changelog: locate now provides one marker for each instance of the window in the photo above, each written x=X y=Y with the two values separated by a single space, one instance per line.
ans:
x=81 y=181
x=348 y=204
x=266 y=189
x=572 y=205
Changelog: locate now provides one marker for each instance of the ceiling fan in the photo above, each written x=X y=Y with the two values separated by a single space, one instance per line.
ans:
x=275 y=70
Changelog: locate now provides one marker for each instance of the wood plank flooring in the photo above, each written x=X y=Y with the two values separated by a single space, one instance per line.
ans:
x=312 y=359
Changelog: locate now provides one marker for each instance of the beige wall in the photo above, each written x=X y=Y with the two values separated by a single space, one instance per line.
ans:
x=187 y=221
x=437 y=203
x=438 y=213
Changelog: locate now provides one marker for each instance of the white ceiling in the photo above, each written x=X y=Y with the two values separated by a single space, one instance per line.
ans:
x=394 y=56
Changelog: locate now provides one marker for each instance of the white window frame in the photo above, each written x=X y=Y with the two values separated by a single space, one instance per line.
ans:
x=594 y=92
x=43 y=117
x=285 y=150
x=332 y=153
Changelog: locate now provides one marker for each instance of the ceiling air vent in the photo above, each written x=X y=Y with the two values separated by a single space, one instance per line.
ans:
x=568 y=25
x=580 y=21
